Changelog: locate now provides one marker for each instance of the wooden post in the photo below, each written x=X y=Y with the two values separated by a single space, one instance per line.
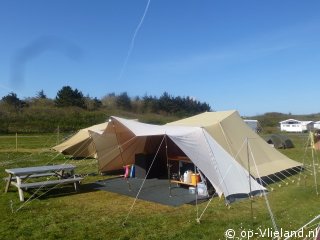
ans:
x=16 y=142
x=313 y=162
x=58 y=135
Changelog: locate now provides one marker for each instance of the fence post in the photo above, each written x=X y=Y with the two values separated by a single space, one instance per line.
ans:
x=58 y=135
x=16 y=142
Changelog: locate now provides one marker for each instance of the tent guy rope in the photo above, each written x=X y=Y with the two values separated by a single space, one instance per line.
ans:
x=131 y=208
x=264 y=193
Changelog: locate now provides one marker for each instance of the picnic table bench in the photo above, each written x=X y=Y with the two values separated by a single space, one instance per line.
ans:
x=58 y=175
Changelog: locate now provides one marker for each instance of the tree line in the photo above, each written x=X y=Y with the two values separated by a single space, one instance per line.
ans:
x=68 y=97
x=72 y=110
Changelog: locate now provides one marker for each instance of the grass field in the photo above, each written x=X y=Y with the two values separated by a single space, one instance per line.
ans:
x=90 y=214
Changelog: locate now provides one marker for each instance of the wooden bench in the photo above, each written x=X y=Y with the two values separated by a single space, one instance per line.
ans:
x=63 y=174
x=58 y=182
x=29 y=185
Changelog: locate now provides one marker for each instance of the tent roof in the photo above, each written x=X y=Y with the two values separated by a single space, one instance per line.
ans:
x=203 y=119
x=79 y=145
x=232 y=133
x=96 y=128
x=143 y=129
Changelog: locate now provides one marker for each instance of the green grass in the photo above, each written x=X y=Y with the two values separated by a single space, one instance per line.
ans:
x=62 y=214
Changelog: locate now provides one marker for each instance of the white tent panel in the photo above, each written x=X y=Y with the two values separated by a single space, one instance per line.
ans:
x=226 y=175
x=142 y=129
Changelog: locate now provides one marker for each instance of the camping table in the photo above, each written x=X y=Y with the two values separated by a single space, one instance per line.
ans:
x=18 y=176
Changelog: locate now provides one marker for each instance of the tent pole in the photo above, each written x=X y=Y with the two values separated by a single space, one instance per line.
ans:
x=196 y=189
x=115 y=131
x=168 y=165
x=249 y=179
x=145 y=178
x=313 y=162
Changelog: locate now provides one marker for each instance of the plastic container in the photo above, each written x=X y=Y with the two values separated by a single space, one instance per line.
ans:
x=187 y=176
x=182 y=178
x=195 y=178
x=126 y=171
x=202 y=189
x=132 y=171
x=192 y=190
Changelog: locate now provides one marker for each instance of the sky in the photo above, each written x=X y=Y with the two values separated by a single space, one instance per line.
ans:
x=254 y=56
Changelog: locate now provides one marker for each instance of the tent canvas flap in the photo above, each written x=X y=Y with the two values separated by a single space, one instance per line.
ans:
x=227 y=176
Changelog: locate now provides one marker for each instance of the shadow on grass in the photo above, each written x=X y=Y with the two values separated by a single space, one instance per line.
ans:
x=64 y=191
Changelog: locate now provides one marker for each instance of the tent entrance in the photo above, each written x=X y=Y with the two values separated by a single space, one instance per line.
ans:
x=162 y=166
x=168 y=161
x=143 y=164
x=153 y=178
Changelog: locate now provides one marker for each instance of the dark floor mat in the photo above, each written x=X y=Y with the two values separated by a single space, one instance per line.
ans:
x=154 y=190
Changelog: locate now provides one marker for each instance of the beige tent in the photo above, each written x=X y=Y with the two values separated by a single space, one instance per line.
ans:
x=123 y=140
x=117 y=137
x=231 y=132
x=81 y=145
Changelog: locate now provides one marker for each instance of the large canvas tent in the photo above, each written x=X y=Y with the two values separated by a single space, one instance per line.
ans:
x=80 y=145
x=118 y=145
x=230 y=131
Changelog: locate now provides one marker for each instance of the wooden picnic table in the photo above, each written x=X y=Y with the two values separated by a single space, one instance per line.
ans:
x=61 y=174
